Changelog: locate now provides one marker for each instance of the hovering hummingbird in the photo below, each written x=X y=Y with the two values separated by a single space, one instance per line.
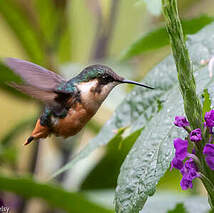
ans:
x=69 y=105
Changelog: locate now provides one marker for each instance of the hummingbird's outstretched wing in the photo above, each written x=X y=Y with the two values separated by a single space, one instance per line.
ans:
x=46 y=96
x=41 y=83
x=34 y=75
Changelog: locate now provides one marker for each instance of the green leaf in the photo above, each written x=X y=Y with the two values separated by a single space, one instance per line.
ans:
x=23 y=29
x=54 y=195
x=117 y=149
x=159 y=38
x=150 y=156
x=207 y=102
x=179 y=208
x=48 y=19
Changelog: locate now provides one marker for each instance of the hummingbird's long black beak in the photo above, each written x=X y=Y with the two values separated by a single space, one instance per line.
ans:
x=136 y=83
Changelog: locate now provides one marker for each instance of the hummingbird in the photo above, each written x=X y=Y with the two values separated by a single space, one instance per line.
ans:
x=69 y=104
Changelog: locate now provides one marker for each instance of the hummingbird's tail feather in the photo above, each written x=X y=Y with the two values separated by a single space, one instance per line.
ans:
x=29 y=140
x=39 y=132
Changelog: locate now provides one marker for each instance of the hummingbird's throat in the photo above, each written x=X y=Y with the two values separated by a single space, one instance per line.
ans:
x=93 y=94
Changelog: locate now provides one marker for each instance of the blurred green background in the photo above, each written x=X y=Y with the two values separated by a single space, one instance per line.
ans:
x=65 y=36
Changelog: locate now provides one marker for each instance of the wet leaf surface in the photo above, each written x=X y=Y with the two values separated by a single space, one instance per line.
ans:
x=151 y=154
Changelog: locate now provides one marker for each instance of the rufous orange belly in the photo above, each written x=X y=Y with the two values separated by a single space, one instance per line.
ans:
x=74 y=121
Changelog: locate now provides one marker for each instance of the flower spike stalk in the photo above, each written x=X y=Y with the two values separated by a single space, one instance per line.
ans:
x=200 y=162
x=186 y=79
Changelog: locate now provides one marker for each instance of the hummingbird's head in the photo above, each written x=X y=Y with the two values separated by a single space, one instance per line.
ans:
x=101 y=73
x=96 y=81
x=104 y=75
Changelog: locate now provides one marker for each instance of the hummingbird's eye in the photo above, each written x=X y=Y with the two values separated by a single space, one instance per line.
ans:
x=105 y=79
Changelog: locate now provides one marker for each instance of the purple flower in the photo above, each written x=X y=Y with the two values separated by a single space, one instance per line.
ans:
x=209 y=118
x=185 y=183
x=180 y=153
x=209 y=149
x=189 y=172
x=190 y=164
x=210 y=161
x=189 y=169
x=180 y=148
x=181 y=121
x=176 y=163
x=209 y=153
x=195 y=135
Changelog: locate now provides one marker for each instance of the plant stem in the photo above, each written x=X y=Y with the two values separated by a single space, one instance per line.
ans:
x=104 y=32
x=186 y=79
